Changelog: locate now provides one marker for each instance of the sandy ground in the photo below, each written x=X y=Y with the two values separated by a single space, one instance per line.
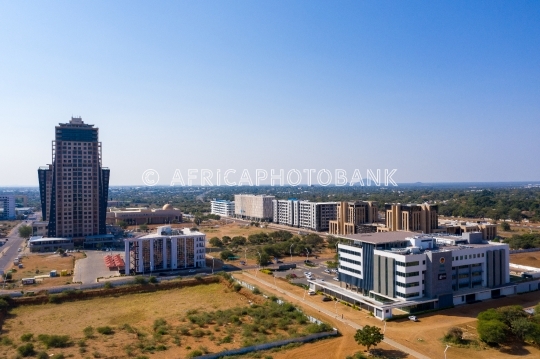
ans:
x=531 y=259
x=422 y=336
x=41 y=264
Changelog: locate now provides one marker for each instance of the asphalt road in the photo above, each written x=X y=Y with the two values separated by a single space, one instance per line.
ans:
x=9 y=251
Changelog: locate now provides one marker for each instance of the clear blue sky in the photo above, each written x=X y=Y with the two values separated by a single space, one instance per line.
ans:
x=442 y=91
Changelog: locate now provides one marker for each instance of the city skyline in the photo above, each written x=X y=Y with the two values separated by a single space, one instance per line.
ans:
x=442 y=92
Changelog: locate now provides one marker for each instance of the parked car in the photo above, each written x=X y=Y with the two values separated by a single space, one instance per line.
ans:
x=336 y=279
x=311 y=292
x=413 y=318
x=326 y=271
x=191 y=271
x=326 y=299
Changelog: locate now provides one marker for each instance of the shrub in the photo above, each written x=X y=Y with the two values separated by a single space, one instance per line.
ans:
x=237 y=287
x=54 y=298
x=454 y=335
x=194 y=353
x=140 y=280
x=105 y=330
x=256 y=291
x=55 y=341
x=26 y=350
x=6 y=341
x=42 y=355
x=153 y=280
x=88 y=332
x=27 y=337
x=108 y=285
x=58 y=356
x=492 y=331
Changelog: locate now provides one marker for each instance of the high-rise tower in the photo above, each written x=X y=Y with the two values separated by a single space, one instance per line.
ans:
x=74 y=188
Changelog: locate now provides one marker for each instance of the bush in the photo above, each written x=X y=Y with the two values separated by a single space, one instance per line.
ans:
x=256 y=291
x=237 y=287
x=26 y=350
x=54 y=298
x=194 y=353
x=140 y=280
x=55 y=341
x=492 y=331
x=108 y=285
x=27 y=337
x=88 y=332
x=105 y=330
x=58 y=356
x=153 y=280
x=454 y=335
x=42 y=355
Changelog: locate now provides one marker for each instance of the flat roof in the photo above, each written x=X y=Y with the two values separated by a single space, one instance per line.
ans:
x=46 y=239
x=380 y=237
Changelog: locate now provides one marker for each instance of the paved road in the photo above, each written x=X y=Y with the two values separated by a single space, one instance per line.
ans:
x=333 y=315
x=9 y=251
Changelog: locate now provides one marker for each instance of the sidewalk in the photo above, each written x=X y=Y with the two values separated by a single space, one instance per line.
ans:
x=330 y=314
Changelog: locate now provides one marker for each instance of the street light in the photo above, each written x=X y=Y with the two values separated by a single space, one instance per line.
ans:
x=307 y=255
x=290 y=249
x=447 y=346
x=260 y=260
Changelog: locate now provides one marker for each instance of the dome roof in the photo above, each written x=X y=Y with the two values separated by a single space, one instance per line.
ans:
x=168 y=206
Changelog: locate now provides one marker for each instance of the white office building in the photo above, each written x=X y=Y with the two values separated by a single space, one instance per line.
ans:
x=222 y=207
x=7 y=207
x=253 y=207
x=167 y=249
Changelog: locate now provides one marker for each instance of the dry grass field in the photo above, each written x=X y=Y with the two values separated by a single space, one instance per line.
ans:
x=164 y=324
x=531 y=259
x=6 y=227
x=42 y=264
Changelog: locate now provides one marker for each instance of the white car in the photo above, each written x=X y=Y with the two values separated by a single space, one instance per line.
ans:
x=326 y=271
x=18 y=250
x=311 y=292
x=191 y=271
x=413 y=318
x=336 y=279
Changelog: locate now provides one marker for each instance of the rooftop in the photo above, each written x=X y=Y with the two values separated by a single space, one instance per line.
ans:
x=380 y=237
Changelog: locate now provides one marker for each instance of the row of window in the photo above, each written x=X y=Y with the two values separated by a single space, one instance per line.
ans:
x=408 y=264
x=411 y=274
x=350 y=269
x=408 y=285
x=410 y=295
x=348 y=251
x=348 y=260
x=470 y=256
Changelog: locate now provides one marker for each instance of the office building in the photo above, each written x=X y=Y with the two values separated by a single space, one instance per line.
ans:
x=355 y=217
x=137 y=216
x=166 y=249
x=222 y=207
x=74 y=187
x=410 y=217
x=488 y=230
x=253 y=207
x=41 y=244
x=416 y=272
x=7 y=207
x=40 y=228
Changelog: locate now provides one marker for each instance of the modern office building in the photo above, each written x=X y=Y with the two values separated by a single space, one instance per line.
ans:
x=222 y=207
x=41 y=244
x=166 y=249
x=410 y=217
x=355 y=217
x=74 y=187
x=137 y=216
x=253 y=207
x=415 y=272
x=315 y=216
x=7 y=207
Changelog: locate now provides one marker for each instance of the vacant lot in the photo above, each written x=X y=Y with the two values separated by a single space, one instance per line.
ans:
x=6 y=227
x=42 y=264
x=164 y=324
x=531 y=259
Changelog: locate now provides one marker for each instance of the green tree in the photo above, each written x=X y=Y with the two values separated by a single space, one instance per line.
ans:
x=492 y=331
x=369 y=336
x=25 y=231
x=143 y=227
x=505 y=226
x=224 y=255
x=215 y=242
x=122 y=224
x=263 y=259
x=515 y=215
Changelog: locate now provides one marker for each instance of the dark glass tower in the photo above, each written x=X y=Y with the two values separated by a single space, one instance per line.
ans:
x=74 y=188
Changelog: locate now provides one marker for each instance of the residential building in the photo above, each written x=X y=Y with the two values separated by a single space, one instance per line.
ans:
x=253 y=207
x=166 y=249
x=315 y=216
x=410 y=217
x=7 y=207
x=222 y=207
x=74 y=187
x=415 y=272
x=355 y=217
x=137 y=216
x=40 y=228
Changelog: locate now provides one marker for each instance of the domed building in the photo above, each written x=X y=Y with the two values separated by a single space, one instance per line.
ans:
x=135 y=216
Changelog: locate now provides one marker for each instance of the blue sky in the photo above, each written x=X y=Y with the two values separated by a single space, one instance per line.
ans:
x=440 y=91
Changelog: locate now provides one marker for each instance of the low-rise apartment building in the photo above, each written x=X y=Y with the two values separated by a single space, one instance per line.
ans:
x=166 y=249
x=222 y=207
x=315 y=216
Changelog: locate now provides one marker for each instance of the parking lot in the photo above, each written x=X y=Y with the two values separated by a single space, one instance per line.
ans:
x=88 y=269
x=317 y=272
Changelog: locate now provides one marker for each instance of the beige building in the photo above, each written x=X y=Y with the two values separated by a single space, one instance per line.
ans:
x=411 y=218
x=136 y=216
x=488 y=230
x=353 y=217
x=253 y=207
